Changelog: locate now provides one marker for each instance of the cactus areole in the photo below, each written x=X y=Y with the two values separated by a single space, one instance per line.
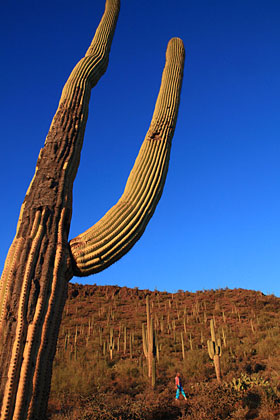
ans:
x=41 y=260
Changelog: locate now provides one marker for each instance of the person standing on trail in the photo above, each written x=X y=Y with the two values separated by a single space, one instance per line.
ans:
x=179 y=387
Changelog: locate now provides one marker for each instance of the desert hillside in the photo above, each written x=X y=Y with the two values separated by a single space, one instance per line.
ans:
x=100 y=368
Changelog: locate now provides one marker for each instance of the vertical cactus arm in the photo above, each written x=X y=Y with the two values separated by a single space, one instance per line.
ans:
x=213 y=335
x=93 y=65
x=215 y=350
x=211 y=349
x=144 y=339
x=150 y=332
x=148 y=315
x=71 y=115
x=114 y=234
x=219 y=347
x=111 y=342
x=33 y=285
x=217 y=367
x=183 y=345
x=151 y=347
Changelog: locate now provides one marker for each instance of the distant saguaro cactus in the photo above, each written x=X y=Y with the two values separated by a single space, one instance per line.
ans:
x=183 y=345
x=149 y=344
x=215 y=350
x=41 y=261
x=111 y=342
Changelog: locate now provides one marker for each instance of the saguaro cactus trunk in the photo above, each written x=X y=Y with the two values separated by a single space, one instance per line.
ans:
x=41 y=261
x=215 y=351
x=149 y=344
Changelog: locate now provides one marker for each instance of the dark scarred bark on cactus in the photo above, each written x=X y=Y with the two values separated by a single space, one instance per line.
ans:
x=41 y=261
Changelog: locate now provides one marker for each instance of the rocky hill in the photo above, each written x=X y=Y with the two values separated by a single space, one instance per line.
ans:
x=100 y=370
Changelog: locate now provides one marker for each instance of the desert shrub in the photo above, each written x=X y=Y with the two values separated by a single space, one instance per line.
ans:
x=211 y=402
x=127 y=378
x=148 y=406
x=79 y=378
x=239 y=412
x=198 y=366
x=265 y=345
x=270 y=398
x=228 y=363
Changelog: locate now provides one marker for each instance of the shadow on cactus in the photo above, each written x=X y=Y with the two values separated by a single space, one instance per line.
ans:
x=41 y=259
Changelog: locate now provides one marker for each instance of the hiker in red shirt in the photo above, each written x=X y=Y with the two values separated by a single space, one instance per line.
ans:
x=179 y=387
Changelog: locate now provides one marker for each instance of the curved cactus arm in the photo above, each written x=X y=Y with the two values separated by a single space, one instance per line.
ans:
x=113 y=235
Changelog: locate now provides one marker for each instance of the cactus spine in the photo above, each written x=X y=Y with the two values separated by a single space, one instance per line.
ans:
x=41 y=260
x=215 y=350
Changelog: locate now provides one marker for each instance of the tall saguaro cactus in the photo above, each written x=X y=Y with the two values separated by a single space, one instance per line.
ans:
x=41 y=261
x=215 y=350
x=149 y=344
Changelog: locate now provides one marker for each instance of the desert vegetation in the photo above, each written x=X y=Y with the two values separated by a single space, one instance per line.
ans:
x=102 y=368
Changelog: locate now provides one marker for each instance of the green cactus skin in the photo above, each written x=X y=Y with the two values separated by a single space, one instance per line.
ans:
x=122 y=226
x=215 y=351
x=245 y=382
x=41 y=261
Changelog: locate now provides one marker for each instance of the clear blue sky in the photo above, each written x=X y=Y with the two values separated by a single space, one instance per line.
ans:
x=217 y=224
